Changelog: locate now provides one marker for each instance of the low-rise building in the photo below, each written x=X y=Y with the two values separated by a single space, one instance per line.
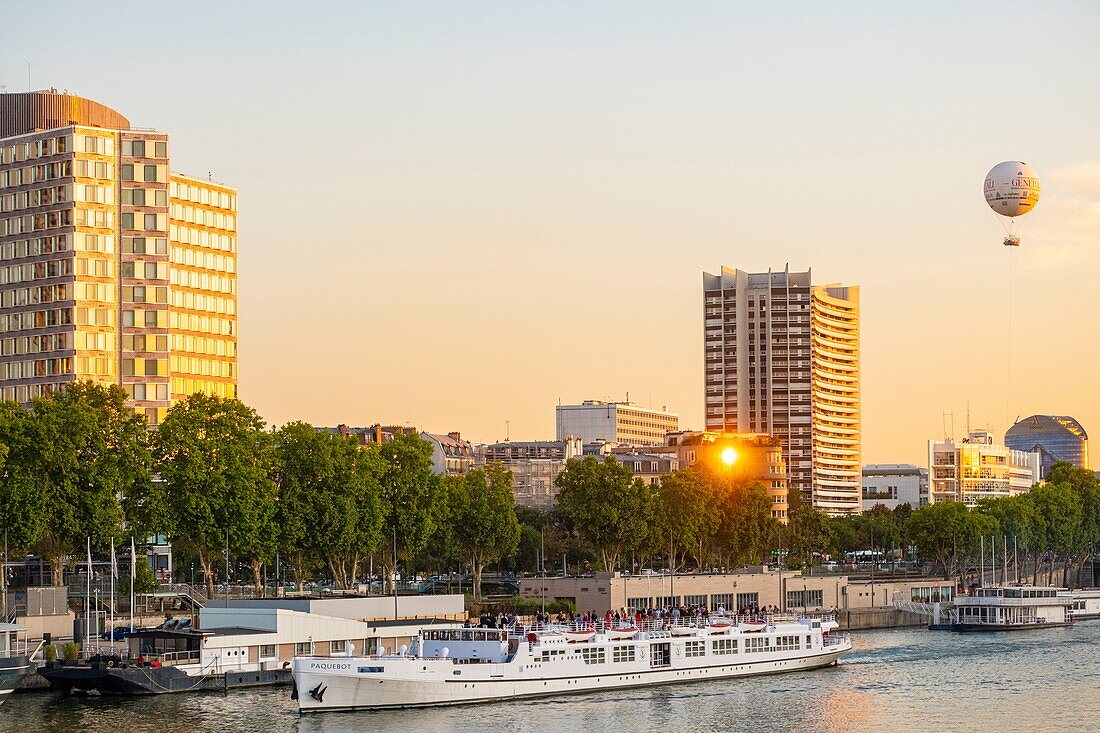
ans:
x=451 y=455
x=977 y=469
x=894 y=484
x=535 y=465
x=759 y=587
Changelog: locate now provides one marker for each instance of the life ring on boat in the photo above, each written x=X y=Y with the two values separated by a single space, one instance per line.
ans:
x=532 y=637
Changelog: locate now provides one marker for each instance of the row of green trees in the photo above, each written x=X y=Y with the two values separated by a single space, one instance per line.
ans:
x=80 y=464
x=707 y=516
x=212 y=475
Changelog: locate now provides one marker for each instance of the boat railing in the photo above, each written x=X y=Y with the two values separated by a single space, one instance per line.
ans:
x=664 y=624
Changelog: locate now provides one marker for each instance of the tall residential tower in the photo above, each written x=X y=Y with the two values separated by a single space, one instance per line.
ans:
x=112 y=268
x=782 y=358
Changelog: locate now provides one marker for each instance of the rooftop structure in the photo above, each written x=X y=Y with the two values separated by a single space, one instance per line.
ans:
x=451 y=455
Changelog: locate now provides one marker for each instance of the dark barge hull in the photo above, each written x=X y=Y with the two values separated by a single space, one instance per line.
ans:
x=12 y=670
x=135 y=680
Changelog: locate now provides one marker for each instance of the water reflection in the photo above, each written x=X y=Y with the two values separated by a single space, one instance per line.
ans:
x=905 y=680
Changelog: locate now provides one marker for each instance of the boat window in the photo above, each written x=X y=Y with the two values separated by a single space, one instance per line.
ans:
x=466 y=636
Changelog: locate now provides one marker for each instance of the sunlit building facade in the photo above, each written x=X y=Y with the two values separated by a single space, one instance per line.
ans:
x=782 y=357
x=1054 y=437
x=976 y=468
x=107 y=272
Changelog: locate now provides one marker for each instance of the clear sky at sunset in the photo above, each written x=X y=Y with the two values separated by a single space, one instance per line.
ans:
x=454 y=215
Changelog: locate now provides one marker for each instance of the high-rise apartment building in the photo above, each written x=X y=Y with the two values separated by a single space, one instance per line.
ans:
x=1054 y=437
x=782 y=357
x=624 y=423
x=112 y=268
x=977 y=469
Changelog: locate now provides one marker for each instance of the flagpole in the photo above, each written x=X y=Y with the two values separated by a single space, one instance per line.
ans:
x=133 y=578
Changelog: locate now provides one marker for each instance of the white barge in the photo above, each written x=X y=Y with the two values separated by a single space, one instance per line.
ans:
x=451 y=666
x=1013 y=608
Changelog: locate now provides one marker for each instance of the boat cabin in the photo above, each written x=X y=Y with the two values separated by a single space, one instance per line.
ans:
x=471 y=645
x=1014 y=606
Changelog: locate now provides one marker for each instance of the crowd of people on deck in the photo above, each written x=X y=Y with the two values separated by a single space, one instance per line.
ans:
x=650 y=617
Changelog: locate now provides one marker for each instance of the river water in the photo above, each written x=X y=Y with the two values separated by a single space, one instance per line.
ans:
x=900 y=680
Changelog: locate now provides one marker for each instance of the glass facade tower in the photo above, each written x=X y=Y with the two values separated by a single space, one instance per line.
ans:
x=1054 y=437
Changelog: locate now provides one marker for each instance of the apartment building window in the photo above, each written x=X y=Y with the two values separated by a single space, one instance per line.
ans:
x=127 y=171
x=150 y=173
x=160 y=149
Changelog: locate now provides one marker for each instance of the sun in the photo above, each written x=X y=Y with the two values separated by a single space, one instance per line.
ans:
x=729 y=456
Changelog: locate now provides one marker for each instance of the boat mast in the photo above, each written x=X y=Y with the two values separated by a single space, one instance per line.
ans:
x=88 y=600
x=981 y=565
x=113 y=564
x=993 y=548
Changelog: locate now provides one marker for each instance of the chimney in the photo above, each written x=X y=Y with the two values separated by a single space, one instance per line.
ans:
x=455 y=436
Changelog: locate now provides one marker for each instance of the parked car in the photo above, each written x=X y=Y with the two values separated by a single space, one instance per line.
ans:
x=119 y=633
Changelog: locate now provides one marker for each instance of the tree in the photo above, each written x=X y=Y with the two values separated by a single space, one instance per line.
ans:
x=607 y=506
x=413 y=500
x=685 y=512
x=484 y=523
x=87 y=450
x=215 y=459
x=949 y=532
x=22 y=492
x=1086 y=486
x=329 y=507
x=808 y=531
x=1061 y=513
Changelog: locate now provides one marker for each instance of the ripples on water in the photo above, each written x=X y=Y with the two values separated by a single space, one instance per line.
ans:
x=904 y=680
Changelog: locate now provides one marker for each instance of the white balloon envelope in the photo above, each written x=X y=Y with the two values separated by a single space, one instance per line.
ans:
x=1012 y=189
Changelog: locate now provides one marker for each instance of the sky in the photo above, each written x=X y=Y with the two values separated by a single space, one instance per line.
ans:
x=456 y=215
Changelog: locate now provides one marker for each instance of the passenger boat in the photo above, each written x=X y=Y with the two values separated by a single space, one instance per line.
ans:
x=15 y=661
x=452 y=666
x=1086 y=604
x=1012 y=608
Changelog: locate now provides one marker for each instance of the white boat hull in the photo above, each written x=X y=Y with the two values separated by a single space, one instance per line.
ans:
x=340 y=687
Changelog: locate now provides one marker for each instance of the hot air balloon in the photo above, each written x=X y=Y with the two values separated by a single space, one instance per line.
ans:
x=1012 y=190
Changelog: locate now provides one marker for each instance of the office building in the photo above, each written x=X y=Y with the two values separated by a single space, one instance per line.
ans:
x=977 y=469
x=624 y=423
x=1054 y=437
x=894 y=484
x=782 y=357
x=535 y=465
x=112 y=267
